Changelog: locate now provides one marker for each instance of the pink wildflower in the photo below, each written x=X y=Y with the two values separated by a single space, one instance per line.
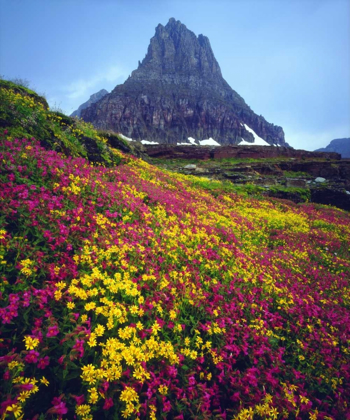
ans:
x=108 y=404
x=32 y=356
x=59 y=407
x=52 y=331
x=43 y=362
x=79 y=399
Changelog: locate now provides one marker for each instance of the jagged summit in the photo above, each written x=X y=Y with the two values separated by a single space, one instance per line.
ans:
x=175 y=50
x=177 y=92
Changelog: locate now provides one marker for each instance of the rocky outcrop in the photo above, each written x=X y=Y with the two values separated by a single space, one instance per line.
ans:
x=178 y=92
x=224 y=152
x=93 y=98
x=341 y=146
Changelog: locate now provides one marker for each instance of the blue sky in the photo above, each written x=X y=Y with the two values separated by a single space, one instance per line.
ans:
x=289 y=59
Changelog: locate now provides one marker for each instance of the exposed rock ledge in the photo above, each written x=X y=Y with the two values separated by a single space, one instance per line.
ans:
x=167 y=151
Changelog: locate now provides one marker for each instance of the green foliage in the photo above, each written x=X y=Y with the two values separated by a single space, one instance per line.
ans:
x=303 y=193
x=216 y=187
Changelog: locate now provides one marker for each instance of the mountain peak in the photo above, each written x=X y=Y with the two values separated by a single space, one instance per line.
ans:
x=174 y=49
x=178 y=92
x=174 y=23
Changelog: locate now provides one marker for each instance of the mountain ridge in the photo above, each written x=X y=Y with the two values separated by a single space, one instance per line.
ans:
x=341 y=146
x=177 y=92
x=93 y=98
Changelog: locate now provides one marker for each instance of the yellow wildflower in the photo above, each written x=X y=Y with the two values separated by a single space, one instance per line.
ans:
x=83 y=409
x=99 y=330
x=44 y=381
x=129 y=395
x=30 y=343
x=15 y=409
x=155 y=328
x=163 y=389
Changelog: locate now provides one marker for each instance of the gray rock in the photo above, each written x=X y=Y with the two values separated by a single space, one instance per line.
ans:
x=191 y=166
x=201 y=170
x=320 y=179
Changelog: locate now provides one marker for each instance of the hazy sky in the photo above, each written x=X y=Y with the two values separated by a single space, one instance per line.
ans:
x=289 y=59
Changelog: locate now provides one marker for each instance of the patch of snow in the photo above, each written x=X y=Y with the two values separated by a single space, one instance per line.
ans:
x=258 y=141
x=184 y=144
x=209 y=142
x=245 y=143
x=347 y=192
x=192 y=140
x=149 y=142
x=125 y=138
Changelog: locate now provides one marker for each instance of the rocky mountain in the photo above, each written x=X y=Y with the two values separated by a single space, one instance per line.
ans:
x=178 y=92
x=341 y=146
x=93 y=98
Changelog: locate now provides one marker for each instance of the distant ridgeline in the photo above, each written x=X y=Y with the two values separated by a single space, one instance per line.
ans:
x=341 y=146
x=178 y=92
x=93 y=98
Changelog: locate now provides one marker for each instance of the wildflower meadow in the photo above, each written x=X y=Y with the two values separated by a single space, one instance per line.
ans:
x=132 y=292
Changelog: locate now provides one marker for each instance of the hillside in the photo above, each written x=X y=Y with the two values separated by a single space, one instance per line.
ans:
x=133 y=291
x=23 y=113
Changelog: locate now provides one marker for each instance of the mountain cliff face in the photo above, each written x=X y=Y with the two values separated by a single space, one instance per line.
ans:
x=341 y=146
x=178 y=92
x=93 y=98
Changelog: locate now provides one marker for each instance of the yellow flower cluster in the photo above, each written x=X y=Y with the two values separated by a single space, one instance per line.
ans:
x=131 y=399
x=27 y=267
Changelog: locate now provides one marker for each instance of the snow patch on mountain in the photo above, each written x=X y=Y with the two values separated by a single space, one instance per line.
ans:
x=258 y=141
x=149 y=142
x=209 y=142
x=125 y=138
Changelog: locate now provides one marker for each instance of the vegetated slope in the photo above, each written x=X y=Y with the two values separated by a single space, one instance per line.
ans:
x=24 y=113
x=131 y=291
x=341 y=146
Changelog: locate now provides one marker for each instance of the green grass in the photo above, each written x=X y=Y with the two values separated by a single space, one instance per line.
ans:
x=218 y=187
x=296 y=174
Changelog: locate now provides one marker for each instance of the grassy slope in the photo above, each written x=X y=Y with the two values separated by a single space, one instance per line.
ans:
x=23 y=113
x=129 y=289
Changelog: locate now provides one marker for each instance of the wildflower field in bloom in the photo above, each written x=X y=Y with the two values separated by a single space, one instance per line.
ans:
x=132 y=292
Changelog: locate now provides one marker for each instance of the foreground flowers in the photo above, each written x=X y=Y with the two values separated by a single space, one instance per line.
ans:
x=128 y=291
